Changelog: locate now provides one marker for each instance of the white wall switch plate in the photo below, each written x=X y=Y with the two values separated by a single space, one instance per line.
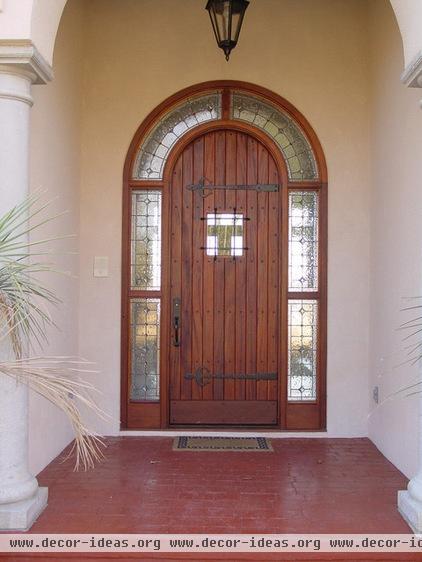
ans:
x=100 y=266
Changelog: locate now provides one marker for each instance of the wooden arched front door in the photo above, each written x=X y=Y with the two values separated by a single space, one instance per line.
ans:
x=225 y=260
x=224 y=264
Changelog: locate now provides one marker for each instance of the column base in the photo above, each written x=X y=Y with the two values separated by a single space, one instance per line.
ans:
x=411 y=510
x=19 y=516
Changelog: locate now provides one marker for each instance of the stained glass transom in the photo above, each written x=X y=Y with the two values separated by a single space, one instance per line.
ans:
x=303 y=241
x=152 y=156
x=146 y=240
x=302 y=350
x=145 y=352
x=283 y=129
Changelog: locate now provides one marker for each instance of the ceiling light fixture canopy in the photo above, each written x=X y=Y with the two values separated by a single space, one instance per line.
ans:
x=226 y=18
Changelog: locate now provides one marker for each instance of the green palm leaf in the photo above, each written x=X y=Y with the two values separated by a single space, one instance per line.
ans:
x=24 y=317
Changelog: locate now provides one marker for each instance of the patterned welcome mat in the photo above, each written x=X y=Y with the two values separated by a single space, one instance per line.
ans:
x=239 y=444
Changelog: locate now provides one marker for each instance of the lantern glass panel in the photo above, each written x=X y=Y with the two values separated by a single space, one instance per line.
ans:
x=215 y=25
x=223 y=21
x=238 y=11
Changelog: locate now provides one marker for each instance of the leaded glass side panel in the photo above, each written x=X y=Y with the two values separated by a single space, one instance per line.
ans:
x=302 y=351
x=145 y=349
x=152 y=156
x=146 y=240
x=303 y=241
x=297 y=151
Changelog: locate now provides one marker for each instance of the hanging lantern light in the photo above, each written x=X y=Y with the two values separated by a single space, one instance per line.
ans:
x=226 y=18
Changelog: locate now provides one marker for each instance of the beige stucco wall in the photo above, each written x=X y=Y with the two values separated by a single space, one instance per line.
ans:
x=45 y=20
x=409 y=17
x=396 y=240
x=55 y=168
x=314 y=53
x=15 y=19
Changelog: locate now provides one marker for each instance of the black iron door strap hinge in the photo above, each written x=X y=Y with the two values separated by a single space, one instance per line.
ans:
x=203 y=376
x=205 y=188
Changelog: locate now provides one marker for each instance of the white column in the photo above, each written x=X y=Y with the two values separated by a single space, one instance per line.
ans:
x=410 y=500
x=21 y=500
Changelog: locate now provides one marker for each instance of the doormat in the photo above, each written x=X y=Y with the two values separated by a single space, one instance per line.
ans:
x=238 y=444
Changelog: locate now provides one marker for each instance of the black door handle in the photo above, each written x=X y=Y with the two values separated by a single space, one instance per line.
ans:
x=176 y=322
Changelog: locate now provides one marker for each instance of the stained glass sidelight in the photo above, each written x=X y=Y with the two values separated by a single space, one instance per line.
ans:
x=146 y=240
x=152 y=156
x=283 y=129
x=224 y=234
x=302 y=350
x=303 y=241
x=145 y=349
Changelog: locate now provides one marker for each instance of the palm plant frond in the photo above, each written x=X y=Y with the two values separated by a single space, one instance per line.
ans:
x=54 y=378
x=24 y=317
x=414 y=350
x=22 y=300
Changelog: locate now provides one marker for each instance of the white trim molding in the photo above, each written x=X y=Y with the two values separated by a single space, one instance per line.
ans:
x=272 y=434
x=412 y=75
x=25 y=57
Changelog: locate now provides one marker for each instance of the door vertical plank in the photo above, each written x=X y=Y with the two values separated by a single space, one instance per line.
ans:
x=273 y=280
x=219 y=288
x=186 y=321
x=208 y=271
x=251 y=287
x=241 y=178
x=197 y=264
x=262 y=263
x=230 y=276
x=175 y=273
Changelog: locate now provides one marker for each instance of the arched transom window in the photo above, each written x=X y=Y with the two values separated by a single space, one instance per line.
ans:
x=253 y=109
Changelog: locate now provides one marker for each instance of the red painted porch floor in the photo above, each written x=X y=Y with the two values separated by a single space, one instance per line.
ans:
x=304 y=486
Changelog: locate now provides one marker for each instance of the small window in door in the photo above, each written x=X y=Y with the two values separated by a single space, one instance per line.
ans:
x=225 y=232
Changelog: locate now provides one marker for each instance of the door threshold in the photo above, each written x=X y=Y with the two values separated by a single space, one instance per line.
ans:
x=274 y=433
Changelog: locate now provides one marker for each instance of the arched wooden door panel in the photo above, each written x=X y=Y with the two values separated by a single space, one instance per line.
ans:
x=225 y=255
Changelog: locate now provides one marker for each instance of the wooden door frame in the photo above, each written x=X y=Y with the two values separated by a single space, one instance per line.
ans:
x=297 y=416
